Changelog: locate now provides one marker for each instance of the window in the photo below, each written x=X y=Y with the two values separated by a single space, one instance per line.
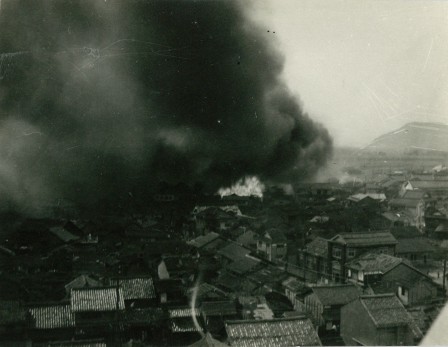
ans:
x=349 y=273
x=336 y=253
x=402 y=291
x=351 y=253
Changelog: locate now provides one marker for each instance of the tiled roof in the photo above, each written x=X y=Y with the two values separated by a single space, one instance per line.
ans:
x=218 y=308
x=12 y=312
x=233 y=251
x=182 y=312
x=294 y=284
x=203 y=240
x=137 y=288
x=80 y=343
x=243 y=265
x=414 y=194
x=402 y=202
x=268 y=275
x=96 y=299
x=365 y=239
x=414 y=245
x=429 y=185
x=183 y=325
x=336 y=295
x=207 y=290
x=386 y=310
x=374 y=263
x=249 y=237
x=181 y=319
x=146 y=316
x=318 y=247
x=275 y=236
x=297 y=331
x=52 y=317
x=230 y=282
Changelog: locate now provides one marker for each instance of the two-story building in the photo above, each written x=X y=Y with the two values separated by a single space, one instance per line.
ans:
x=387 y=274
x=324 y=304
x=313 y=259
x=96 y=309
x=273 y=245
x=345 y=247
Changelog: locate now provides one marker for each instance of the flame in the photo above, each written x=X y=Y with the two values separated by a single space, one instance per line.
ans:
x=247 y=186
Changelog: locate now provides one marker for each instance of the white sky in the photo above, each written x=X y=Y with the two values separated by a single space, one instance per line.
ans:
x=363 y=67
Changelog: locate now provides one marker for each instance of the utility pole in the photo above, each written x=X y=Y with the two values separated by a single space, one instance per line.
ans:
x=444 y=274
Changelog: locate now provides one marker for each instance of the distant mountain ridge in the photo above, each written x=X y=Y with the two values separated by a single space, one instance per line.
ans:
x=413 y=136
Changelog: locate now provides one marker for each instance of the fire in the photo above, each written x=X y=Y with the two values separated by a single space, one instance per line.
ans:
x=247 y=186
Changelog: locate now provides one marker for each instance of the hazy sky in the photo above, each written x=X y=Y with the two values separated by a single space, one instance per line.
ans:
x=363 y=68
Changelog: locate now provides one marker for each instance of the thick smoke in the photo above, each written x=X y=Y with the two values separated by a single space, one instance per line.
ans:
x=101 y=100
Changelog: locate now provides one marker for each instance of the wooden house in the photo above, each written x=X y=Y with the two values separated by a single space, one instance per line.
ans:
x=97 y=311
x=273 y=245
x=281 y=332
x=138 y=292
x=388 y=274
x=344 y=247
x=378 y=320
x=324 y=304
x=50 y=322
x=215 y=313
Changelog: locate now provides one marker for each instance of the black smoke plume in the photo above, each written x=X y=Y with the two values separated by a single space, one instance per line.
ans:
x=101 y=100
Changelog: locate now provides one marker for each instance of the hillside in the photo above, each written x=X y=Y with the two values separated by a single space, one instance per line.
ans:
x=413 y=136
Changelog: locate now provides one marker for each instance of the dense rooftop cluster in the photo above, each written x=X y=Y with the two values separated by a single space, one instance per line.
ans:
x=307 y=268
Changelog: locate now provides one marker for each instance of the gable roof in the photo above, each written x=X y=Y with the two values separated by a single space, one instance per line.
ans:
x=318 y=247
x=203 y=240
x=206 y=290
x=63 y=234
x=428 y=185
x=218 y=308
x=385 y=310
x=249 y=237
x=137 y=288
x=295 y=285
x=243 y=265
x=96 y=299
x=275 y=235
x=233 y=251
x=374 y=263
x=361 y=196
x=147 y=315
x=414 y=194
x=336 y=295
x=411 y=276
x=181 y=319
x=404 y=202
x=363 y=239
x=297 y=331
x=82 y=281
x=268 y=276
x=414 y=245
x=52 y=316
